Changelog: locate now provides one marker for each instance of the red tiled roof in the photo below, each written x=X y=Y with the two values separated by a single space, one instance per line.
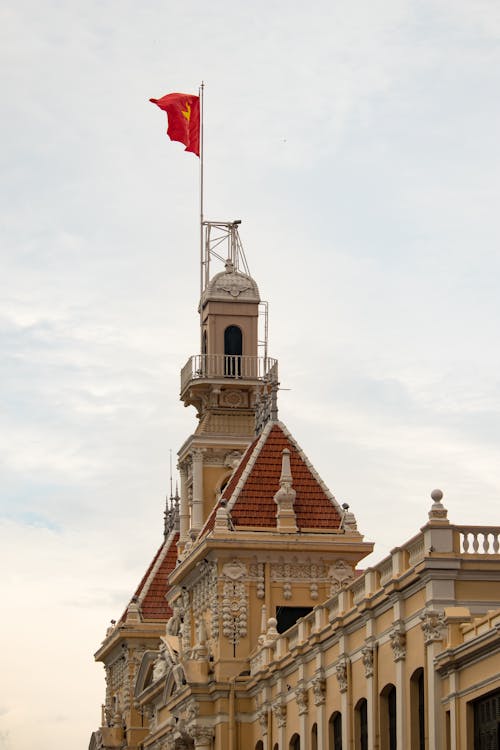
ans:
x=154 y=606
x=154 y=584
x=252 y=504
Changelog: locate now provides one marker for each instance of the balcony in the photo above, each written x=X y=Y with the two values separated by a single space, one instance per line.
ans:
x=228 y=367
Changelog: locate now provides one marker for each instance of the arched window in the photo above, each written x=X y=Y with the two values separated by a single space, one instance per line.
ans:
x=259 y=745
x=335 y=731
x=361 y=725
x=233 y=349
x=294 y=742
x=314 y=737
x=276 y=746
x=388 y=718
x=417 y=703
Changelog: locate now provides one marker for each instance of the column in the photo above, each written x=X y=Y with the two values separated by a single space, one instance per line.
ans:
x=197 y=515
x=184 y=509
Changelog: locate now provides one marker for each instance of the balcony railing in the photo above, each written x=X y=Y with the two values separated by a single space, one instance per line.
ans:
x=208 y=366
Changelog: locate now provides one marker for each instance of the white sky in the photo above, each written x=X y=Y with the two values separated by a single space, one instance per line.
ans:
x=358 y=142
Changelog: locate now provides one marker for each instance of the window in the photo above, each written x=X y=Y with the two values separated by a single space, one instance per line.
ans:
x=295 y=742
x=388 y=718
x=288 y=616
x=487 y=722
x=417 y=702
x=335 y=731
x=233 y=349
x=361 y=725
x=314 y=737
x=259 y=745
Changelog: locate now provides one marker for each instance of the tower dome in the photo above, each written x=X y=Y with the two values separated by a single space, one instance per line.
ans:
x=231 y=285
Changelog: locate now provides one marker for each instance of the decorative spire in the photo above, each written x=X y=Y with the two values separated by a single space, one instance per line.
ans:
x=285 y=497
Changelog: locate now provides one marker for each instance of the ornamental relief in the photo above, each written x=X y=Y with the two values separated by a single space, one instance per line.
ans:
x=233 y=399
x=338 y=574
x=204 y=594
x=433 y=625
x=398 y=642
x=318 y=683
x=341 y=574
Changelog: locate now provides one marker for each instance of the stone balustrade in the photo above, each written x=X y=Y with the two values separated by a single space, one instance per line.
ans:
x=209 y=366
x=469 y=540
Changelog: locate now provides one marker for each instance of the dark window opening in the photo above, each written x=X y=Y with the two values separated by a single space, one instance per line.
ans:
x=362 y=725
x=288 y=616
x=391 y=705
x=233 y=349
x=487 y=722
x=335 y=731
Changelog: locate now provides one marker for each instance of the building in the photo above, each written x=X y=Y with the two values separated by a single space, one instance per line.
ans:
x=254 y=627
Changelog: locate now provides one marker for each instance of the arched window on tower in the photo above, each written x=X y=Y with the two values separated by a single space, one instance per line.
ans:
x=314 y=737
x=233 y=349
x=294 y=742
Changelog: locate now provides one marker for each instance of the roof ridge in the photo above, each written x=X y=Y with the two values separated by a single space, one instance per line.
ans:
x=310 y=466
x=164 y=549
x=250 y=464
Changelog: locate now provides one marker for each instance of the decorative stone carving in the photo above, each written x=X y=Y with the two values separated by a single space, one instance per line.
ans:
x=185 y=614
x=232 y=459
x=367 y=657
x=433 y=625
x=313 y=591
x=341 y=673
x=174 y=624
x=235 y=570
x=192 y=710
x=279 y=711
x=160 y=665
x=233 y=399
x=398 y=642
x=318 y=683
x=202 y=734
x=340 y=574
x=262 y=716
x=302 y=698
x=261 y=587
x=287 y=590
x=234 y=601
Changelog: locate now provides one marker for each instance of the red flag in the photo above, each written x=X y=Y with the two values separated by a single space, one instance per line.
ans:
x=183 y=114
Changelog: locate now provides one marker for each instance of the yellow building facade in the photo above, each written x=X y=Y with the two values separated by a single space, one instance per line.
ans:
x=254 y=627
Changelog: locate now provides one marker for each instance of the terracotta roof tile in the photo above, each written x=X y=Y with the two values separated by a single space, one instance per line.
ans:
x=154 y=606
x=250 y=492
x=154 y=584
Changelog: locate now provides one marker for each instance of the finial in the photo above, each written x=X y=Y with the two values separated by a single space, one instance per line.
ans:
x=285 y=497
x=438 y=512
x=286 y=471
x=348 y=519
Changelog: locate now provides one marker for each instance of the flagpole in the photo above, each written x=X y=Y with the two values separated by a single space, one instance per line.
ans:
x=202 y=154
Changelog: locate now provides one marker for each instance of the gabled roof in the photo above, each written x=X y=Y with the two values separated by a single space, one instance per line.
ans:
x=150 y=594
x=250 y=492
